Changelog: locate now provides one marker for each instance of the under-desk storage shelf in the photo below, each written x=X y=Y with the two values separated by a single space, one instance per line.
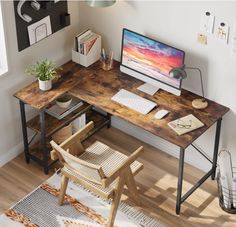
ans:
x=99 y=120
x=36 y=153
x=52 y=124
x=45 y=125
x=35 y=150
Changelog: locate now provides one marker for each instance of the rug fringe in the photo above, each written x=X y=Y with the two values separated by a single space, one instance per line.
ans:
x=139 y=217
x=132 y=213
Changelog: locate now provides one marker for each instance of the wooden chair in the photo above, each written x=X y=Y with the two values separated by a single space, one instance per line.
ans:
x=99 y=168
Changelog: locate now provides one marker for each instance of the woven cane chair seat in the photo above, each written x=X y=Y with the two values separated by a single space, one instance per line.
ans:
x=109 y=159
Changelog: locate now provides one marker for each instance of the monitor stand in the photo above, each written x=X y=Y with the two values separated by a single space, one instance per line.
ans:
x=148 y=89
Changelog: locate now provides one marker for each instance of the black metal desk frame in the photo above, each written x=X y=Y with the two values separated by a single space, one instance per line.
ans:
x=180 y=199
x=43 y=140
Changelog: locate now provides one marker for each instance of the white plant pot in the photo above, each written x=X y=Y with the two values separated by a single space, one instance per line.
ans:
x=45 y=85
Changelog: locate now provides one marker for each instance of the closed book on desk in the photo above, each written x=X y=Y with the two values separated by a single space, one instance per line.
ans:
x=185 y=124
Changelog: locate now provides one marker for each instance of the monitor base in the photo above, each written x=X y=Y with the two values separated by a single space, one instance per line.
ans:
x=148 y=89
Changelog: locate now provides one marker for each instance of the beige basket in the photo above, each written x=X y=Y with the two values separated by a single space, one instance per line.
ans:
x=62 y=134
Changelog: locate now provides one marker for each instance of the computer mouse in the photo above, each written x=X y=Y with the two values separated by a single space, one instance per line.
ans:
x=160 y=114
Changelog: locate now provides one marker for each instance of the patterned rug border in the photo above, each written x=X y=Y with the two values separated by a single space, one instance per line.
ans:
x=76 y=204
x=132 y=213
x=129 y=211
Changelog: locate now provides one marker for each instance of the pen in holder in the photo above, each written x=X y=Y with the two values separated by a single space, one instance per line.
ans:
x=106 y=60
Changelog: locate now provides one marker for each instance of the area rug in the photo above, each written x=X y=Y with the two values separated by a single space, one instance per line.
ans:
x=81 y=209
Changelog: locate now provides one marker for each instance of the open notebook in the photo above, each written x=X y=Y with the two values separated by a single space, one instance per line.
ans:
x=185 y=124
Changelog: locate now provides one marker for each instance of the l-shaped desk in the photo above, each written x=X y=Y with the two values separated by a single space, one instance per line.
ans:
x=95 y=86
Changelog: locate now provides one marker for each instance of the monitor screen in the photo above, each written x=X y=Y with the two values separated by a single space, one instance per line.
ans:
x=151 y=58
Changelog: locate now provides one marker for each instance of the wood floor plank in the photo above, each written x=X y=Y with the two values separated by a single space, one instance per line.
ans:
x=157 y=184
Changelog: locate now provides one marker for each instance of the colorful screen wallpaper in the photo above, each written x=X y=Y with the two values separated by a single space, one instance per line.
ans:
x=150 y=57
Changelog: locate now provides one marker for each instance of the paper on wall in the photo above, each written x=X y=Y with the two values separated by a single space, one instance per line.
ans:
x=233 y=44
x=39 y=30
x=207 y=22
x=202 y=39
x=222 y=32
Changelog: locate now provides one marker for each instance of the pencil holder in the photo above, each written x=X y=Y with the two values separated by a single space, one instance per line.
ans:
x=107 y=64
x=227 y=195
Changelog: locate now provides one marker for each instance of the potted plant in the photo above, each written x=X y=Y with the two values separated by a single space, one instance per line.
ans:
x=45 y=72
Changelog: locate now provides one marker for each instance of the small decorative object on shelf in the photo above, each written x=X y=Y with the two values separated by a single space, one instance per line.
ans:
x=226 y=179
x=106 y=60
x=64 y=101
x=60 y=110
x=45 y=72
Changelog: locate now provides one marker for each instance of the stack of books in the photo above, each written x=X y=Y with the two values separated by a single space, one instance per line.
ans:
x=84 y=41
x=59 y=113
x=87 y=48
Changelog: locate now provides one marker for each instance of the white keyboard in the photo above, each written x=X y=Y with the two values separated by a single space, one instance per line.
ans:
x=134 y=101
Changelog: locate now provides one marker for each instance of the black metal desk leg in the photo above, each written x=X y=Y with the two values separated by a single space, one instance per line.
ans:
x=216 y=147
x=24 y=131
x=43 y=141
x=109 y=118
x=180 y=180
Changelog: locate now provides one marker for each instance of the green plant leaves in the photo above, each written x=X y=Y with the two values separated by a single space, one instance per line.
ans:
x=44 y=70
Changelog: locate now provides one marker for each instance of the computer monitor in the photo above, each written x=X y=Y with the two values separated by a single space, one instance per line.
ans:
x=150 y=61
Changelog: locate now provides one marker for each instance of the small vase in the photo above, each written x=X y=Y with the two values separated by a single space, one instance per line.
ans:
x=45 y=85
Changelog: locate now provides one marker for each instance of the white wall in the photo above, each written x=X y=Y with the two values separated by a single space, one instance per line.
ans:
x=177 y=23
x=57 y=48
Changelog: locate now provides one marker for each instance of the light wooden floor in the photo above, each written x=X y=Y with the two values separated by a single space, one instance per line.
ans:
x=157 y=184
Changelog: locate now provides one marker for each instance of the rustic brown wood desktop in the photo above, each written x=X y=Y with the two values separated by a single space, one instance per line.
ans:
x=96 y=87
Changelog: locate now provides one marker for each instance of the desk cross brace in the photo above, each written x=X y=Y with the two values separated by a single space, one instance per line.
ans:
x=180 y=199
x=201 y=152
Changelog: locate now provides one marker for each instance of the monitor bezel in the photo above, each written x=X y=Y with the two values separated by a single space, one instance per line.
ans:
x=122 y=43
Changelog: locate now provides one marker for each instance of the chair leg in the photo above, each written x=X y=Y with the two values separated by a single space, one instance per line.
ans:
x=116 y=201
x=64 y=183
x=133 y=191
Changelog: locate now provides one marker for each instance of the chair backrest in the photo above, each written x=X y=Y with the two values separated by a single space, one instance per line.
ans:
x=74 y=141
x=88 y=171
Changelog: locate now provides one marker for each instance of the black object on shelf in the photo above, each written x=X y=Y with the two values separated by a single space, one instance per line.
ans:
x=65 y=19
x=46 y=4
